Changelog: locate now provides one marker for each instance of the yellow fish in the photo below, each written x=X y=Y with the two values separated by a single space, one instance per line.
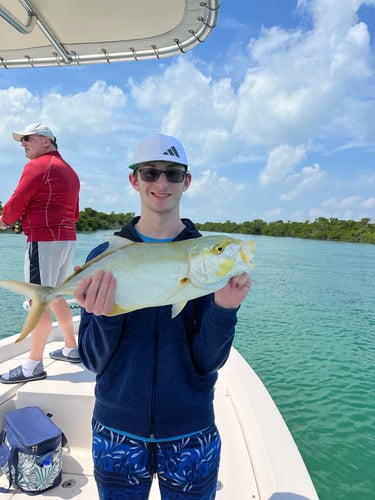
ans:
x=150 y=274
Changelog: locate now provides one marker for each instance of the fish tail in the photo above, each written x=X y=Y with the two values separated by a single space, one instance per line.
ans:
x=41 y=297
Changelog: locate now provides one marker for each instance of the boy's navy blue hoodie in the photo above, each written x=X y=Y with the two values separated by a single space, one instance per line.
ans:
x=156 y=375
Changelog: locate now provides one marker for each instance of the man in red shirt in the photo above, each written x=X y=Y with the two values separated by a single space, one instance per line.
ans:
x=47 y=202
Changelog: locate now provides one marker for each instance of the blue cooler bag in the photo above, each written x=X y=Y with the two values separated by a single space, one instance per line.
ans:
x=31 y=450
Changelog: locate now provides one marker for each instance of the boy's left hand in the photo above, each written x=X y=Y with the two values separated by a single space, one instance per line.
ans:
x=234 y=292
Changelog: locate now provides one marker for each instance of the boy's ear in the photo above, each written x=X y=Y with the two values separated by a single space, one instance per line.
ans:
x=133 y=180
x=187 y=181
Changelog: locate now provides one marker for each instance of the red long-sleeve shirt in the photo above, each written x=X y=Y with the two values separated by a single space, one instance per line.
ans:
x=46 y=199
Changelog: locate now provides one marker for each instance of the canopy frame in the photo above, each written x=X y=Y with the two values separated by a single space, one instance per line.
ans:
x=199 y=19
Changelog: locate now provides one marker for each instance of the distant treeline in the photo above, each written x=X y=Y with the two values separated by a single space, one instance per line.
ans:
x=321 y=229
x=91 y=220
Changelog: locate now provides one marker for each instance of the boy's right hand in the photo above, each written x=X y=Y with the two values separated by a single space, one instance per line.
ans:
x=96 y=294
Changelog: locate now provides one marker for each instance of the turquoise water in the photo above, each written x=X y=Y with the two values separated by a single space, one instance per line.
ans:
x=308 y=329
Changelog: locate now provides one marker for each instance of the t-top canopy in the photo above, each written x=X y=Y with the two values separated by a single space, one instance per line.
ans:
x=54 y=32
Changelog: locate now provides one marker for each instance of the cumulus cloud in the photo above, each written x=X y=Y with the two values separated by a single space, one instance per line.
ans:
x=256 y=138
x=211 y=181
x=306 y=179
x=369 y=203
x=282 y=160
x=353 y=202
x=299 y=82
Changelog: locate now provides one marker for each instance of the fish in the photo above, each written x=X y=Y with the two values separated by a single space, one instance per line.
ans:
x=149 y=274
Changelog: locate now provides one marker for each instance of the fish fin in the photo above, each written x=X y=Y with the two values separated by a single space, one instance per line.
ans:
x=41 y=298
x=115 y=243
x=177 y=308
x=116 y=310
x=118 y=241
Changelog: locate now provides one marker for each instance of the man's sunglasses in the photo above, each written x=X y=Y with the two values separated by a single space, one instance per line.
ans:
x=25 y=138
x=151 y=174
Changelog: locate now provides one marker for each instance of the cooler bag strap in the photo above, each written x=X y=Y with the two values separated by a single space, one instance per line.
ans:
x=64 y=440
x=4 y=455
x=4 y=450
x=13 y=463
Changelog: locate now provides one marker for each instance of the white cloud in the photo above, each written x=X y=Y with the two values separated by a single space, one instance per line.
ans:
x=274 y=214
x=254 y=138
x=211 y=182
x=306 y=179
x=281 y=163
x=349 y=201
x=298 y=84
x=369 y=203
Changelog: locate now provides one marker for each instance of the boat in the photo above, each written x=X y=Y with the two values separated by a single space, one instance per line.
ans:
x=260 y=459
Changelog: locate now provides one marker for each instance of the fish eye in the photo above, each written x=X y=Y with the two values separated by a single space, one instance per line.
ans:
x=219 y=248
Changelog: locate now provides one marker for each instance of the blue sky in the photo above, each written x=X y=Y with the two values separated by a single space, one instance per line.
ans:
x=276 y=110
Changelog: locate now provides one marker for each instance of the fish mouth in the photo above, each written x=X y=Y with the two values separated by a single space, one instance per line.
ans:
x=246 y=252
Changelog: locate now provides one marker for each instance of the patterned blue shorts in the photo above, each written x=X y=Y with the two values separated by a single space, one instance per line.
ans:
x=187 y=468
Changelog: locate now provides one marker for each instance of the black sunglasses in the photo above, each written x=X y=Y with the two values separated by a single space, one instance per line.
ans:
x=25 y=138
x=151 y=174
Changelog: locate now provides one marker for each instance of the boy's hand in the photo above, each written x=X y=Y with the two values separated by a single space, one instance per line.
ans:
x=96 y=294
x=234 y=292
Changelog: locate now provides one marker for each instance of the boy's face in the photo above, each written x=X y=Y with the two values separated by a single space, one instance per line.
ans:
x=160 y=192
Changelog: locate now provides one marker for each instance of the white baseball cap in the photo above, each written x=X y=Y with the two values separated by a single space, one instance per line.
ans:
x=159 y=147
x=34 y=129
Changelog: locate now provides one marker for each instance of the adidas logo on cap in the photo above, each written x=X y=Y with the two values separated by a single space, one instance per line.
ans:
x=171 y=152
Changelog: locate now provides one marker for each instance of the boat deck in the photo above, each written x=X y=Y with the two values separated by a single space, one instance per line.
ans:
x=70 y=386
x=259 y=457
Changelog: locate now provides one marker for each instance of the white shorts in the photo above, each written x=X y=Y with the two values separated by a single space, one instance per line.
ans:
x=48 y=262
